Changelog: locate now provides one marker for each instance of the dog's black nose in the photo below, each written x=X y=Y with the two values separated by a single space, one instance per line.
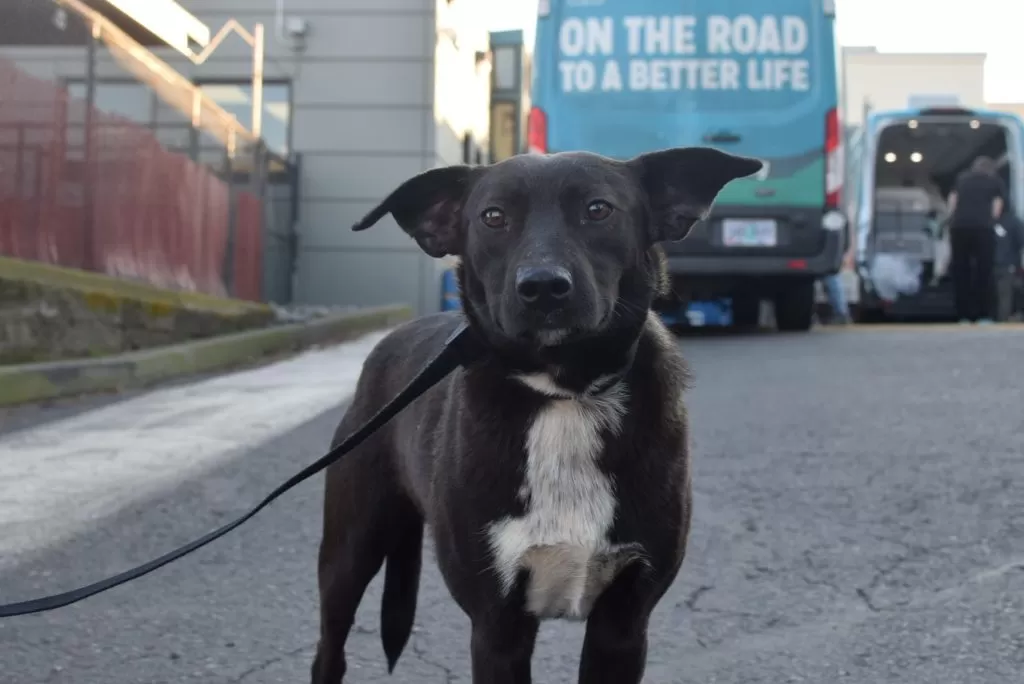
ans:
x=543 y=286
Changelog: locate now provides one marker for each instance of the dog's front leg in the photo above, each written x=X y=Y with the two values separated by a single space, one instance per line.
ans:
x=615 y=644
x=502 y=646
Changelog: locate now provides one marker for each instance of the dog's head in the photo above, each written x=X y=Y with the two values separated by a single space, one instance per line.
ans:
x=559 y=247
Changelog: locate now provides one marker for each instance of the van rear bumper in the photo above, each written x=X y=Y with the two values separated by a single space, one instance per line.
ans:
x=825 y=262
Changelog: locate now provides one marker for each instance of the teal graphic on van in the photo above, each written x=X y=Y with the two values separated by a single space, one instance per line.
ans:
x=623 y=77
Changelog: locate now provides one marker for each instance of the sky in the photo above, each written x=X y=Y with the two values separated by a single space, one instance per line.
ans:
x=991 y=26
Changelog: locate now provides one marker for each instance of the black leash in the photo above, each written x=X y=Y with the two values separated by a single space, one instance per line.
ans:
x=458 y=350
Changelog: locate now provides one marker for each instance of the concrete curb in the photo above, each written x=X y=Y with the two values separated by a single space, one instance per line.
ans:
x=33 y=382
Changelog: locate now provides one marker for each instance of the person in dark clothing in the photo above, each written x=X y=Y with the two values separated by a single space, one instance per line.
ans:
x=1009 y=245
x=975 y=203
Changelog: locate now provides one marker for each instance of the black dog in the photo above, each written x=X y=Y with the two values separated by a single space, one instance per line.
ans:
x=554 y=472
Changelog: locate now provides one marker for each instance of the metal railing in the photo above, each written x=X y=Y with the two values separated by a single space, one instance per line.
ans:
x=88 y=189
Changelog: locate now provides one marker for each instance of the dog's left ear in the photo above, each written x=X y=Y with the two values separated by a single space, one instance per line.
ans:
x=682 y=183
x=429 y=208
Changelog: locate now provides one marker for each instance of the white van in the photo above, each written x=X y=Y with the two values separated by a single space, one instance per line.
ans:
x=902 y=165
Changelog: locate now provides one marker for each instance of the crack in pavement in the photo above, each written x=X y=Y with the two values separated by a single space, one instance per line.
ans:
x=816 y=582
x=417 y=650
x=979 y=578
x=865 y=594
x=271 y=661
x=691 y=600
x=866 y=599
x=912 y=552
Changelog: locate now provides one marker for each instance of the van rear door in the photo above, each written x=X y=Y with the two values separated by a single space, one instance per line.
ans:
x=622 y=77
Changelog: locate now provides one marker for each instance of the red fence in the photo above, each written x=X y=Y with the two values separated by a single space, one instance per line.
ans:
x=99 y=192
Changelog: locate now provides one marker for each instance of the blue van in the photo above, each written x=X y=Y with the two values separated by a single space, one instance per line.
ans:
x=623 y=77
x=902 y=166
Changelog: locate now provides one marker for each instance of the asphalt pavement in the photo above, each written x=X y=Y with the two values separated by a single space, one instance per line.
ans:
x=858 y=519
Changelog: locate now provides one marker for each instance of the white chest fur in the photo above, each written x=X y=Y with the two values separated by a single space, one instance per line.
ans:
x=562 y=539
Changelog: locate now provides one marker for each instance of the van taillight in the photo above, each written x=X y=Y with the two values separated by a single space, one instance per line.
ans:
x=537 y=131
x=833 y=159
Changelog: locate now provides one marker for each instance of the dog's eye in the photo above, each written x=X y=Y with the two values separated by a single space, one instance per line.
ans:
x=598 y=210
x=493 y=218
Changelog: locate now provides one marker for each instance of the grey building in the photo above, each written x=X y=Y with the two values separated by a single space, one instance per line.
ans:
x=364 y=93
x=510 y=93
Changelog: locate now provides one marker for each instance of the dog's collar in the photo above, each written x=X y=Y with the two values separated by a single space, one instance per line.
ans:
x=605 y=383
x=545 y=384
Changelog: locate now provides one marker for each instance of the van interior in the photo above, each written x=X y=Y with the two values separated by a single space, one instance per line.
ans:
x=916 y=166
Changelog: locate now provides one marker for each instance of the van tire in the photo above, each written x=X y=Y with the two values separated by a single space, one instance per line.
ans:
x=868 y=315
x=746 y=311
x=794 y=307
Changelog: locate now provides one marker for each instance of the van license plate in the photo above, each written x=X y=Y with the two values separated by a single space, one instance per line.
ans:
x=749 y=233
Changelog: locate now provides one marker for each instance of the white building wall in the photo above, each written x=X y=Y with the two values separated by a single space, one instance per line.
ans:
x=462 y=78
x=461 y=90
x=890 y=80
x=1008 y=107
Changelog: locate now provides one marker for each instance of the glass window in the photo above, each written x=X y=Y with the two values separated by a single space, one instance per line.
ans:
x=505 y=67
x=503 y=130
x=133 y=101
x=166 y=115
x=236 y=99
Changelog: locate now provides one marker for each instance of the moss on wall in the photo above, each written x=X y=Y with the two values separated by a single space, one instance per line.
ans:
x=49 y=313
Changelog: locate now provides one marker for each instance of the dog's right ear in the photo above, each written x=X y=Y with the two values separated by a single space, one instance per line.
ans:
x=429 y=208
